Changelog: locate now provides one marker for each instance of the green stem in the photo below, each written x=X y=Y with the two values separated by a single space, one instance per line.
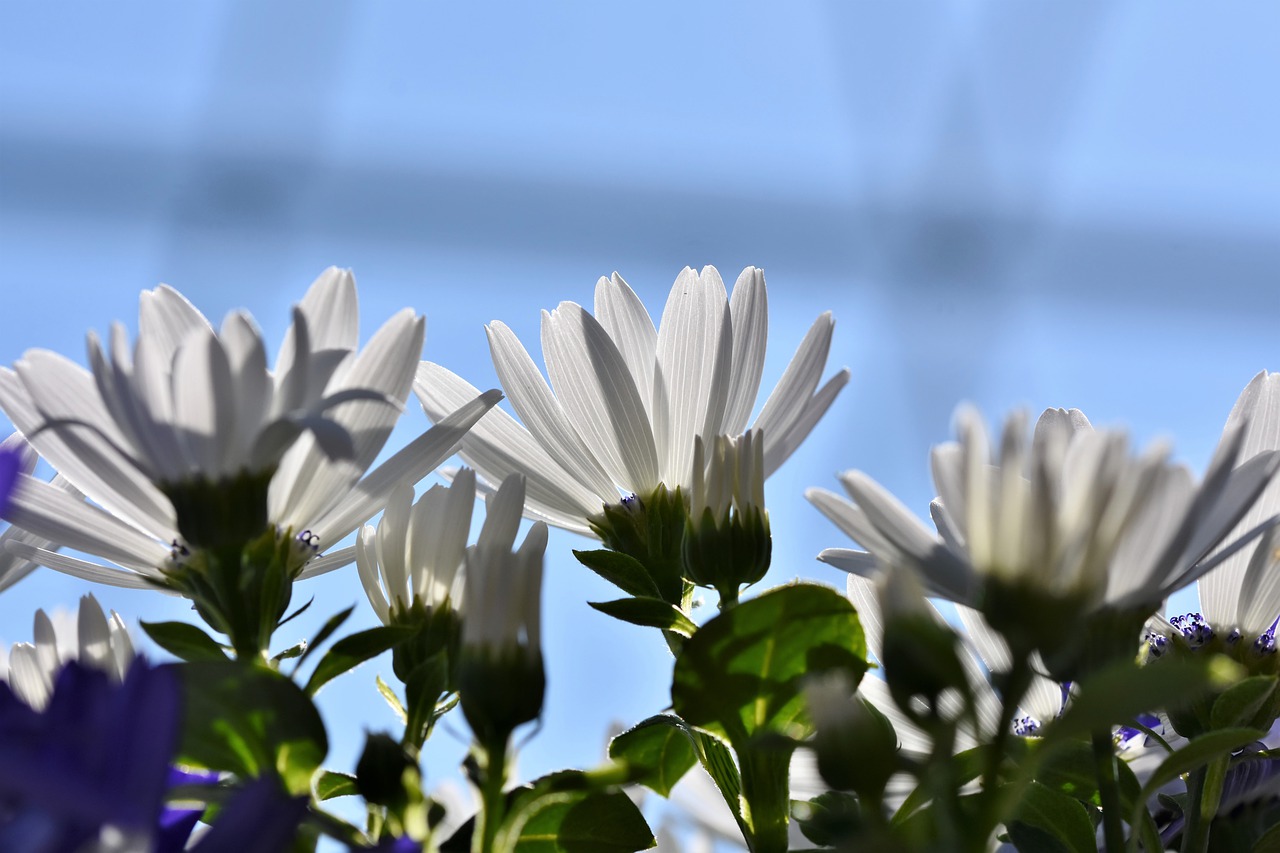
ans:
x=1204 y=795
x=492 y=800
x=767 y=796
x=1016 y=682
x=728 y=597
x=1104 y=758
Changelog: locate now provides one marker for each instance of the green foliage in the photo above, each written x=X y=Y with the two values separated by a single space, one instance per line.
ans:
x=576 y=822
x=657 y=750
x=250 y=720
x=741 y=674
x=330 y=785
x=353 y=650
x=622 y=570
x=1062 y=817
x=649 y=612
x=185 y=642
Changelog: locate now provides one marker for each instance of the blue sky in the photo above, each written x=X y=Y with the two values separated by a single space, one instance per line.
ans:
x=1006 y=203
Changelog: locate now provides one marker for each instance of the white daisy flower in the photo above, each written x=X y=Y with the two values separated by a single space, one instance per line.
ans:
x=626 y=400
x=92 y=639
x=414 y=556
x=12 y=567
x=1071 y=516
x=1243 y=593
x=130 y=522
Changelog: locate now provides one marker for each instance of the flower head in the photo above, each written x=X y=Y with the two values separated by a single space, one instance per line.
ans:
x=1046 y=533
x=501 y=679
x=94 y=640
x=131 y=522
x=726 y=541
x=627 y=401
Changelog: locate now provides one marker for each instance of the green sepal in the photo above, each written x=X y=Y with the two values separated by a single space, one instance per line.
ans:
x=423 y=690
x=331 y=784
x=650 y=529
x=648 y=612
x=353 y=650
x=185 y=642
x=622 y=570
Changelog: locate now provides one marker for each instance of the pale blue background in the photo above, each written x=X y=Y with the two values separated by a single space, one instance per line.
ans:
x=1009 y=203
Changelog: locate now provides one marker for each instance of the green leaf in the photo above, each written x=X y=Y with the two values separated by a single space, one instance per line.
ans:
x=326 y=631
x=658 y=750
x=294 y=651
x=354 y=650
x=1197 y=753
x=392 y=699
x=742 y=672
x=1133 y=803
x=649 y=612
x=1034 y=839
x=1240 y=703
x=426 y=683
x=577 y=822
x=250 y=720
x=1070 y=769
x=330 y=784
x=183 y=641
x=1061 y=816
x=966 y=766
x=623 y=571
x=1125 y=690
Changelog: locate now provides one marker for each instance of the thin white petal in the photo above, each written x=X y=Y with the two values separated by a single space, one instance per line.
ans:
x=749 y=309
x=789 y=397
x=695 y=362
x=410 y=464
x=204 y=402
x=165 y=317
x=595 y=387
x=83 y=568
x=542 y=413
x=93 y=634
x=778 y=449
x=328 y=562
x=623 y=316
x=498 y=446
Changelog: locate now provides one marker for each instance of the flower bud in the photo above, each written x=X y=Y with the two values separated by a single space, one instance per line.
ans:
x=727 y=541
x=856 y=746
x=501 y=679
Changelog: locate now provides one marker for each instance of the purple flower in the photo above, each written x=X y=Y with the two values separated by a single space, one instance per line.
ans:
x=11 y=464
x=97 y=756
x=261 y=818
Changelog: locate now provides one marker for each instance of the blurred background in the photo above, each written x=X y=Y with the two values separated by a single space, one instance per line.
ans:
x=1008 y=203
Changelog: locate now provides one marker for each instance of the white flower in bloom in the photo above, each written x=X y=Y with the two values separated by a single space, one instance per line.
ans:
x=626 y=400
x=129 y=521
x=1244 y=592
x=984 y=651
x=504 y=584
x=1071 y=514
x=416 y=552
x=93 y=640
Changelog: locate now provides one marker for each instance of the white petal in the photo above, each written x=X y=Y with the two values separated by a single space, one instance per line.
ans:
x=695 y=363
x=778 y=449
x=247 y=357
x=789 y=397
x=82 y=568
x=542 y=413
x=367 y=566
x=623 y=316
x=410 y=464
x=82 y=456
x=862 y=592
x=854 y=562
x=596 y=389
x=1260 y=591
x=32 y=684
x=54 y=514
x=93 y=635
x=328 y=562
x=45 y=641
x=165 y=317
x=498 y=446
x=309 y=481
x=391 y=543
x=749 y=309
x=332 y=310
x=204 y=402
x=502 y=517
x=990 y=646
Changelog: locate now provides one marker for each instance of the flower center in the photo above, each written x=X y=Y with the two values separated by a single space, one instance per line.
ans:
x=1026 y=726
